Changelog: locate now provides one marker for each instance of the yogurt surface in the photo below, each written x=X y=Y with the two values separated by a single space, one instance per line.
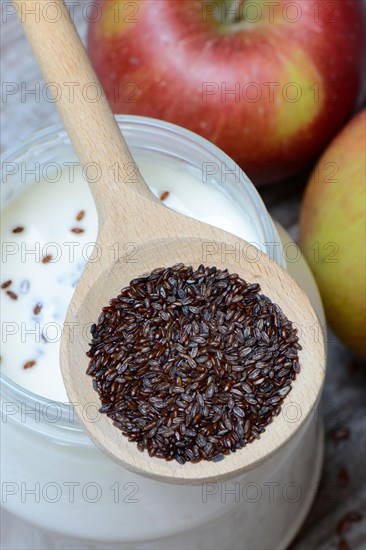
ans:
x=48 y=232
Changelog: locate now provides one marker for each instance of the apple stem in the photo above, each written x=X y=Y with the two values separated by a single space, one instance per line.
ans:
x=231 y=11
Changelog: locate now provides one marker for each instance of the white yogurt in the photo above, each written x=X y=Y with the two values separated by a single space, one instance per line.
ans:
x=48 y=213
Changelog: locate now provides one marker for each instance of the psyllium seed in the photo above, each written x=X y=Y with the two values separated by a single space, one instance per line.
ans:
x=192 y=364
x=346 y=521
x=12 y=294
x=6 y=284
x=18 y=229
x=343 y=477
x=37 y=309
x=164 y=195
x=77 y=230
x=343 y=544
x=80 y=215
x=341 y=434
x=46 y=259
x=29 y=365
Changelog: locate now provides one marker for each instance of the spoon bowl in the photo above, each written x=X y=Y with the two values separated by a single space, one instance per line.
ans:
x=98 y=286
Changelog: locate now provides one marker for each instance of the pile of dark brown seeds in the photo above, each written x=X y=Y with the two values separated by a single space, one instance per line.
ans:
x=192 y=364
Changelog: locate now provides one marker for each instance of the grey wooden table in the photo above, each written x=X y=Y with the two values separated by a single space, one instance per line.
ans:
x=343 y=485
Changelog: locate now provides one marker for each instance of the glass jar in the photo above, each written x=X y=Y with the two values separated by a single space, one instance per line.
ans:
x=56 y=479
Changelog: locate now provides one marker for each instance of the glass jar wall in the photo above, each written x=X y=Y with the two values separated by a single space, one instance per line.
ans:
x=56 y=479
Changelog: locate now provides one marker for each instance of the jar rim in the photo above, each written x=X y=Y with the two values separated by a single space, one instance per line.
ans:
x=167 y=127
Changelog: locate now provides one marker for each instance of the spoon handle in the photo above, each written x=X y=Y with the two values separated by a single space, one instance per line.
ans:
x=80 y=99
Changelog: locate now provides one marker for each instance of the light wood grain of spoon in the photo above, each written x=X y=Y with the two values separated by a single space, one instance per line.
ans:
x=128 y=213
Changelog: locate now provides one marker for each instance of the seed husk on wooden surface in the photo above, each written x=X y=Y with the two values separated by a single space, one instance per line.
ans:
x=192 y=364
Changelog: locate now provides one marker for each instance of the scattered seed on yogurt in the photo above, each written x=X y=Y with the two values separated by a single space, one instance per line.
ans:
x=12 y=295
x=6 y=284
x=29 y=364
x=37 y=309
x=18 y=229
x=77 y=230
x=80 y=215
x=47 y=259
x=164 y=195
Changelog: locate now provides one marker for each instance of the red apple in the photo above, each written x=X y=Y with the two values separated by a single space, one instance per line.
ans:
x=332 y=232
x=269 y=82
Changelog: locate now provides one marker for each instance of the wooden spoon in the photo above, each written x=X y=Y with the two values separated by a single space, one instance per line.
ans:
x=128 y=213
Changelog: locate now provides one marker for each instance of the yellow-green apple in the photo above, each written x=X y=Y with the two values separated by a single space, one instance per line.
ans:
x=268 y=81
x=332 y=232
